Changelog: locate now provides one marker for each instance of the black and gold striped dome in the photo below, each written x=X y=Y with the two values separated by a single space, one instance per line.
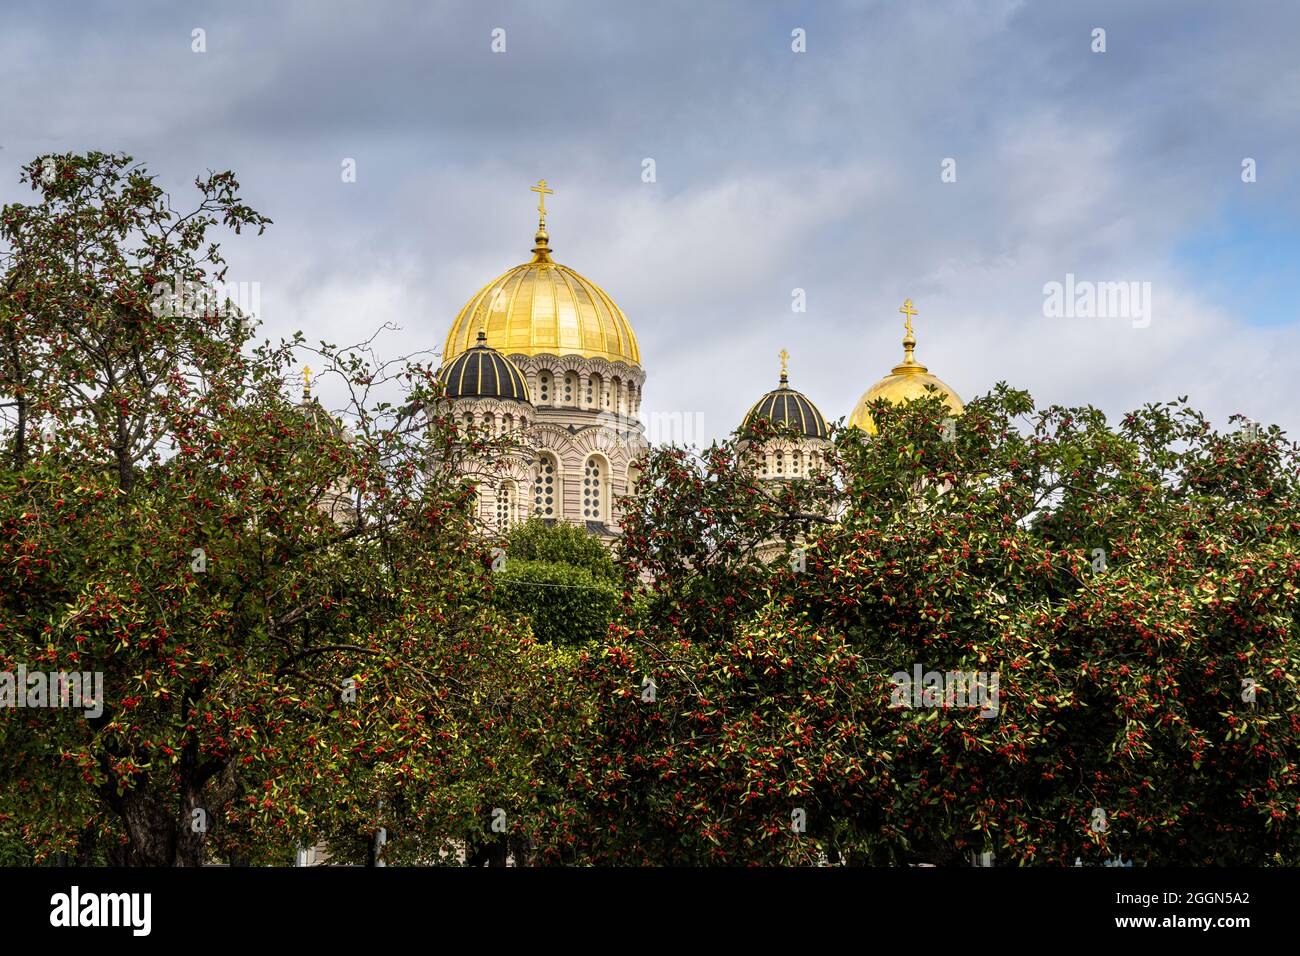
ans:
x=785 y=406
x=483 y=372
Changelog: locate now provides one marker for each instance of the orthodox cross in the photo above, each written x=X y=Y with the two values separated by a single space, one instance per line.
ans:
x=542 y=193
x=909 y=311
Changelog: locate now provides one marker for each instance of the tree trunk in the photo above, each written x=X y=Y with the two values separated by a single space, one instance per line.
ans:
x=491 y=853
x=154 y=836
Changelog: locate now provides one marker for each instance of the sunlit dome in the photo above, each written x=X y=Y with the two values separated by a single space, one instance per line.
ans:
x=543 y=307
x=904 y=383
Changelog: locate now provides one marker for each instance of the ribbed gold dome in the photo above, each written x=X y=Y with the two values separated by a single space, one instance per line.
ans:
x=905 y=382
x=544 y=307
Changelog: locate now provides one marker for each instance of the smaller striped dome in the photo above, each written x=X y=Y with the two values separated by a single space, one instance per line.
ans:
x=785 y=406
x=319 y=420
x=483 y=372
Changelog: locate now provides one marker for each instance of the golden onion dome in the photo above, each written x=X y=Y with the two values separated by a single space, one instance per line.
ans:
x=542 y=307
x=904 y=383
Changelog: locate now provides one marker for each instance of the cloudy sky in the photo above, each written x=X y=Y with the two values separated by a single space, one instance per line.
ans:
x=775 y=170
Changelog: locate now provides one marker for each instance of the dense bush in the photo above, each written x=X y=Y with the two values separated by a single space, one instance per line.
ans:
x=290 y=619
x=562 y=579
x=1136 y=588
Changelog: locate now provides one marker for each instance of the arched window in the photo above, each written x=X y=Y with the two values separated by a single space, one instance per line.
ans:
x=544 y=388
x=505 y=504
x=546 y=486
x=490 y=422
x=508 y=424
x=780 y=463
x=570 y=386
x=594 y=390
x=796 y=461
x=595 y=489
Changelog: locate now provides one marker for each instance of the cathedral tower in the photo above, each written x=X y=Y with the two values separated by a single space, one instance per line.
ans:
x=580 y=366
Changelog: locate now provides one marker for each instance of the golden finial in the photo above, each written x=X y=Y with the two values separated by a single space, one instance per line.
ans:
x=542 y=252
x=909 y=340
x=785 y=359
x=306 y=382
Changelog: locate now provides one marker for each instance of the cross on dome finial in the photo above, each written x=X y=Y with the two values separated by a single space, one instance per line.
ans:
x=785 y=359
x=908 y=310
x=909 y=340
x=542 y=251
x=306 y=382
x=542 y=192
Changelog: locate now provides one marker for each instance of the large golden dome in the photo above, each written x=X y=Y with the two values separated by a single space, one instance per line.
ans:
x=905 y=382
x=544 y=307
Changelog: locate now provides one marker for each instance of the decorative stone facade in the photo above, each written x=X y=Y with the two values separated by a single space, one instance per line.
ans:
x=785 y=458
x=505 y=479
x=586 y=434
x=574 y=443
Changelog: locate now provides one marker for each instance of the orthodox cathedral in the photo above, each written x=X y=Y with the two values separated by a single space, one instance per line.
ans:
x=544 y=356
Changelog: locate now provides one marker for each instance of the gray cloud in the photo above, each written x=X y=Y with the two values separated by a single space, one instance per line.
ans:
x=775 y=170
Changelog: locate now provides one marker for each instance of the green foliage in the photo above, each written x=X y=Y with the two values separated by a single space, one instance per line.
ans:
x=562 y=579
x=1122 y=683
x=561 y=543
x=343 y=658
x=702 y=530
x=291 y=637
x=564 y=604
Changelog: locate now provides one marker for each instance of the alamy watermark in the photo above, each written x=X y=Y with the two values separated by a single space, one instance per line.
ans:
x=75 y=908
x=656 y=428
x=973 y=689
x=74 y=690
x=191 y=299
x=1082 y=299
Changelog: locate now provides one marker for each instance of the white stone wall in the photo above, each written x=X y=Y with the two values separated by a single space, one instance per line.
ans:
x=496 y=476
x=585 y=413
